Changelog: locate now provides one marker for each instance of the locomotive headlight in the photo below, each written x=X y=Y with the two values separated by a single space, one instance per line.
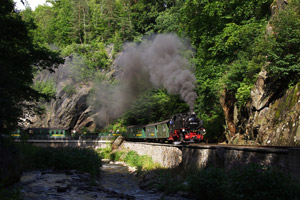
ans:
x=183 y=130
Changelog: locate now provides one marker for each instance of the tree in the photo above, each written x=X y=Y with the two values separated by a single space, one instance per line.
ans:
x=20 y=57
x=154 y=106
x=282 y=50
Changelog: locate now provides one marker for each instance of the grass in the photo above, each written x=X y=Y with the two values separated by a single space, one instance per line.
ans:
x=85 y=160
x=142 y=163
x=252 y=182
x=105 y=153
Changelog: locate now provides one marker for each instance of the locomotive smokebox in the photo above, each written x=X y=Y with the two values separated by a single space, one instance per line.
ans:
x=193 y=122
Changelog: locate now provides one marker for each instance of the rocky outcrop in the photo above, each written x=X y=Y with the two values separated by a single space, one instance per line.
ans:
x=277 y=122
x=70 y=108
x=270 y=121
x=268 y=118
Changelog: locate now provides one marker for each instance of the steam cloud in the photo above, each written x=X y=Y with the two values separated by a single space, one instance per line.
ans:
x=154 y=63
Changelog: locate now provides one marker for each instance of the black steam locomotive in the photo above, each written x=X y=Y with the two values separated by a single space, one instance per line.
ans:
x=182 y=128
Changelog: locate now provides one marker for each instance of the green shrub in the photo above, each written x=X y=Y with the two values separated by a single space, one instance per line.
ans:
x=250 y=182
x=118 y=155
x=132 y=159
x=86 y=160
x=47 y=88
x=105 y=152
x=141 y=162
x=69 y=90
x=282 y=48
x=87 y=58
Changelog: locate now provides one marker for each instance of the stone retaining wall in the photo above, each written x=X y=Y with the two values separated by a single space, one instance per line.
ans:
x=215 y=156
x=227 y=157
x=167 y=156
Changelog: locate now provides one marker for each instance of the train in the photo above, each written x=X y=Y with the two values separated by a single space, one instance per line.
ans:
x=51 y=133
x=55 y=133
x=183 y=128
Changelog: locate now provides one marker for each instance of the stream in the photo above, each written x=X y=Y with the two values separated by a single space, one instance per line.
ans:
x=116 y=182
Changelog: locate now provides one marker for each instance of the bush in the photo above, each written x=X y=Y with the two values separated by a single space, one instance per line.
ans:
x=141 y=162
x=283 y=48
x=47 y=88
x=86 y=160
x=87 y=58
x=132 y=159
x=69 y=89
x=105 y=153
x=250 y=182
x=118 y=155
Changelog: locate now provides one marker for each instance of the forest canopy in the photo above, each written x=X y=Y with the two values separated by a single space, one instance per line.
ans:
x=20 y=57
x=229 y=39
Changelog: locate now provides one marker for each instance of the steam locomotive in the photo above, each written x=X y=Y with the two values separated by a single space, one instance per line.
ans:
x=183 y=128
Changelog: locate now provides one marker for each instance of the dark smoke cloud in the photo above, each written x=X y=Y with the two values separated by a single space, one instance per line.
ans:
x=154 y=63
x=157 y=62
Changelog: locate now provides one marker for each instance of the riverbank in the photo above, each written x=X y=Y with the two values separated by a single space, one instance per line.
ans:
x=117 y=181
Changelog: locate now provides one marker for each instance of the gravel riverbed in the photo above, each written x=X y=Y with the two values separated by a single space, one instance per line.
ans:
x=116 y=182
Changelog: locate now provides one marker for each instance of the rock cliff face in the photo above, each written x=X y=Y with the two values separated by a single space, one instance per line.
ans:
x=268 y=122
x=276 y=122
x=70 y=109
x=267 y=119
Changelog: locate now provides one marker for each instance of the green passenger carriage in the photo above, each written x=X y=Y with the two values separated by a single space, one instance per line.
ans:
x=135 y=132
x=184 y=127
x=156 y=131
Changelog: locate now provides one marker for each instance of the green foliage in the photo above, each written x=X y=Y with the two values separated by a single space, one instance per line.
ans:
x=86 y=160
x=141 y=162
x=248 y=182
x=118 y=44
x=47 y=88
x=168 y=20
x=105 y=153
x=87 y=59
x=243 y=93
x=228 y=36
x=144 y=14
x=117 y=155
x=132 y=158
x=117 y=126
x=283 y=48
x=69 y=89
x=154 y=106
x=18 y=54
